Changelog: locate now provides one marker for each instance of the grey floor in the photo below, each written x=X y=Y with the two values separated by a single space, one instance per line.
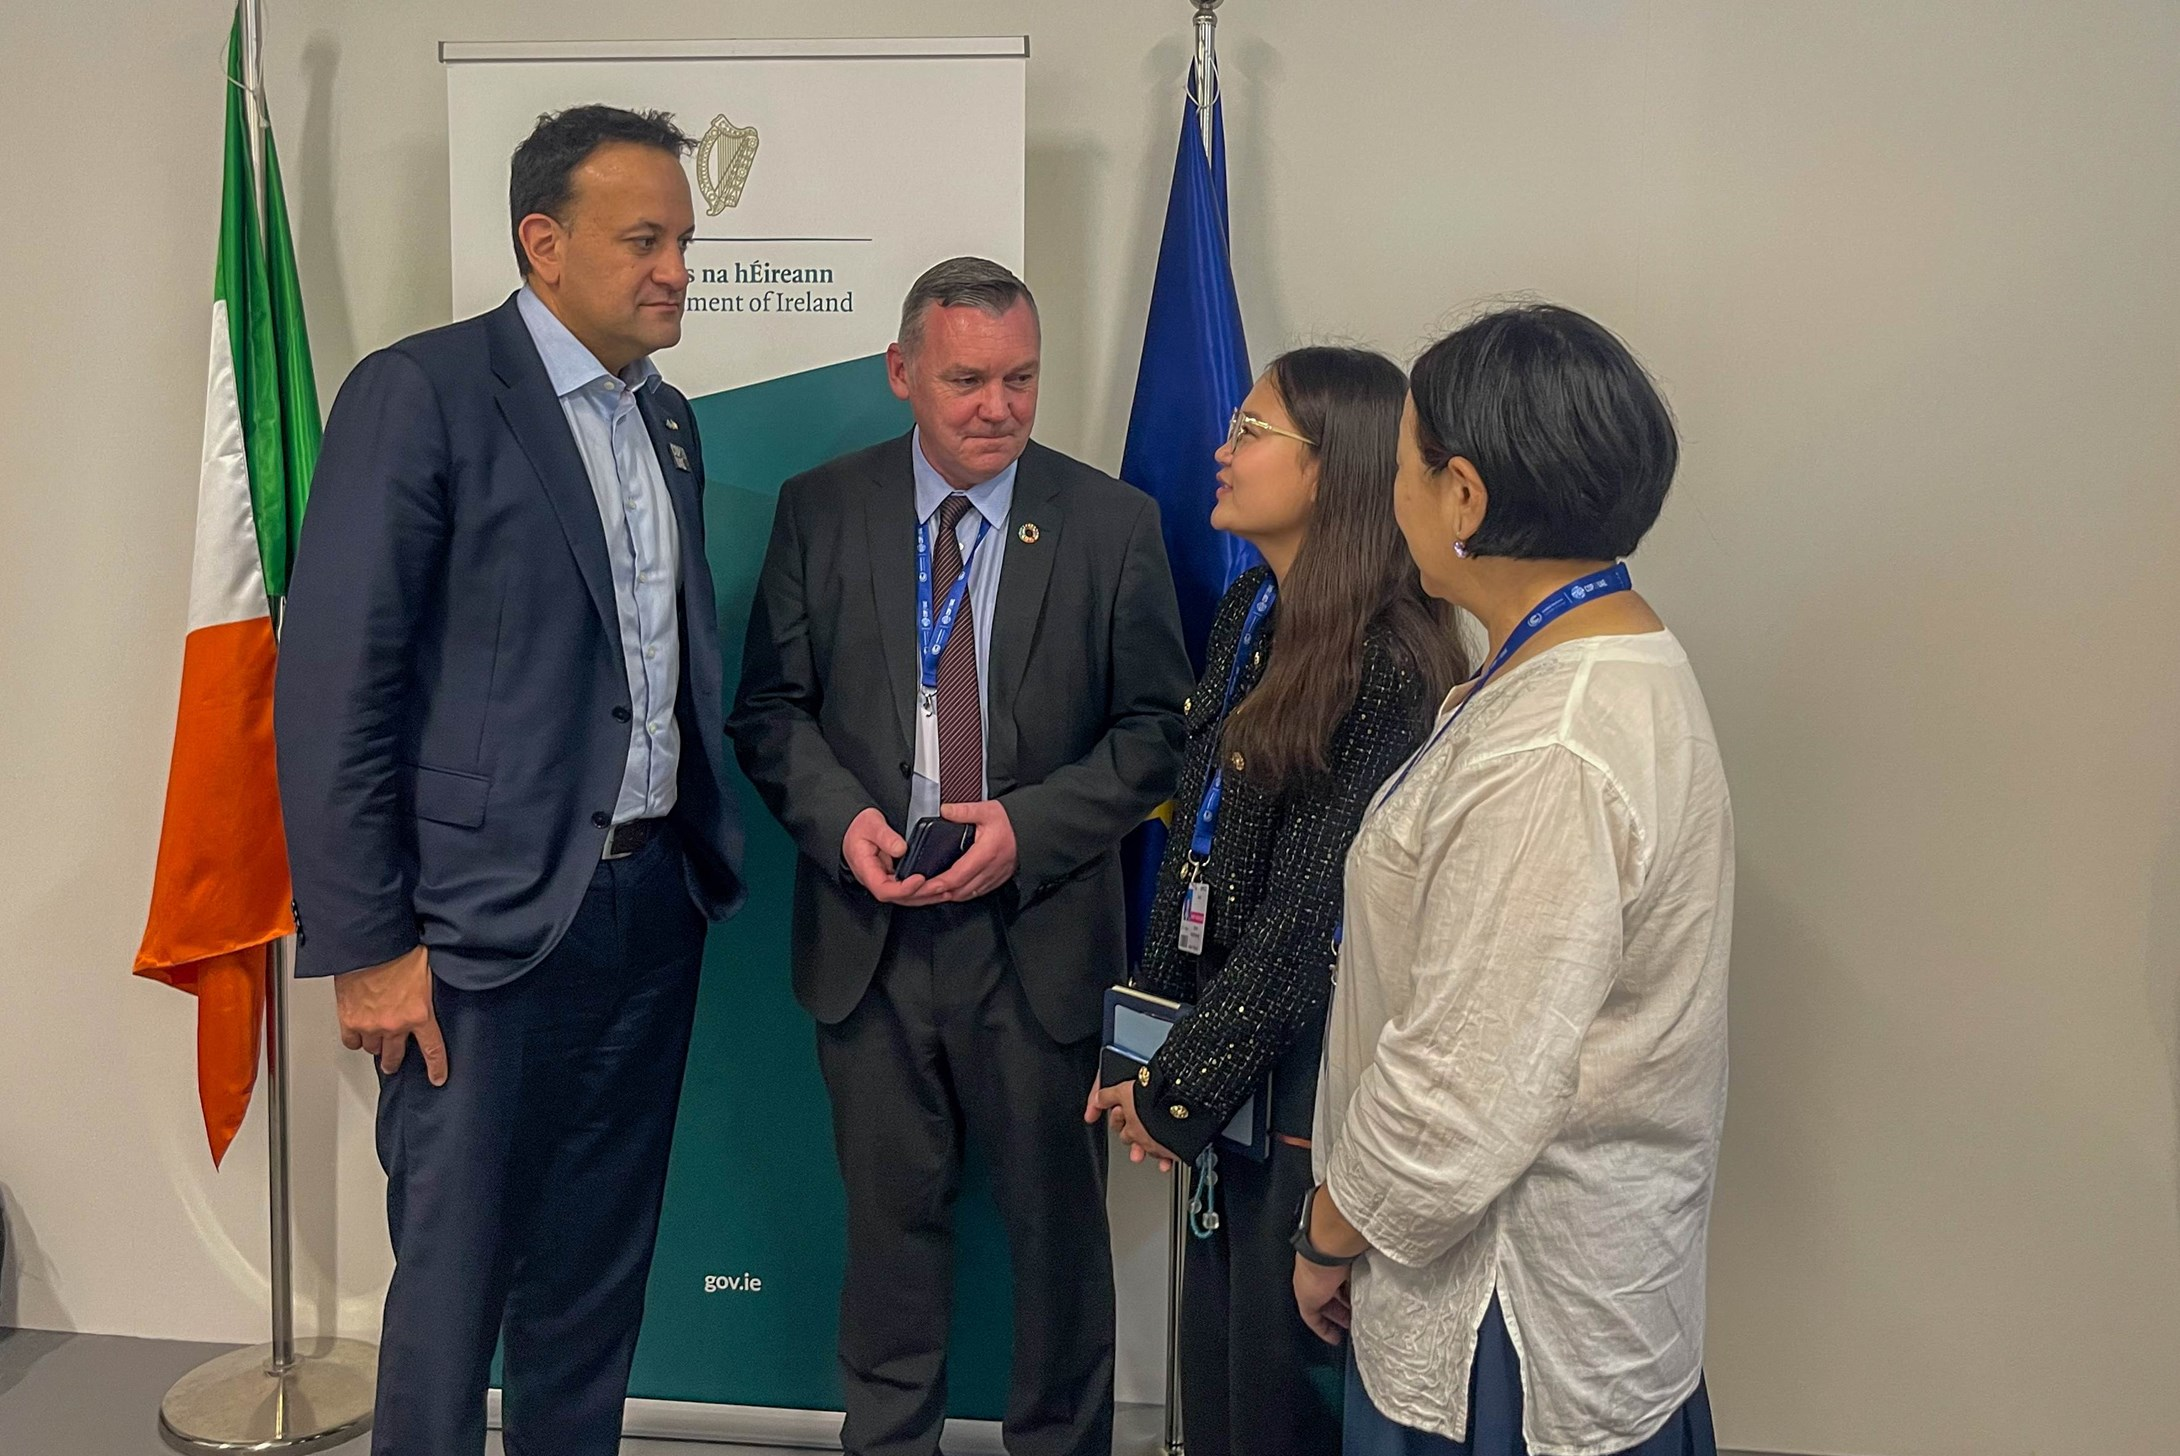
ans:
x=98 y=1395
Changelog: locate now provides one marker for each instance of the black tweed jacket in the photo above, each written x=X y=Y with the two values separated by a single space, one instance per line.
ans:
x=1263 y=983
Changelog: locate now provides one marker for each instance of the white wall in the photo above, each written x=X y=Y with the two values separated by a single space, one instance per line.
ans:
x=1907 y=271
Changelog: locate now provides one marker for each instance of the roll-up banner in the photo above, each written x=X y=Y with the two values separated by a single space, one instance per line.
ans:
x=819 y=198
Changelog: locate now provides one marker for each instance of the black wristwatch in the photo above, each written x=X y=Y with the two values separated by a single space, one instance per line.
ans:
x=1300 y=1238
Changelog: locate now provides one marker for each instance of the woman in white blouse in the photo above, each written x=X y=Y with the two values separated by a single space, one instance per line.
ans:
x=1525 y=1062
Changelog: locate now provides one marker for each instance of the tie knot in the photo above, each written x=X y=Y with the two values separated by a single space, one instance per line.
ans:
x=952 y=509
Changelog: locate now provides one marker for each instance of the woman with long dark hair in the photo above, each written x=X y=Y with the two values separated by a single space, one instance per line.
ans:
x=1321 y=673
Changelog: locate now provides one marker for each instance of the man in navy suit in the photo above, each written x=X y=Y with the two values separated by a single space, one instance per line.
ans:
x=504 y=776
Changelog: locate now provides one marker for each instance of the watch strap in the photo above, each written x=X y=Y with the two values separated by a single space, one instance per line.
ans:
x=1300 y=1238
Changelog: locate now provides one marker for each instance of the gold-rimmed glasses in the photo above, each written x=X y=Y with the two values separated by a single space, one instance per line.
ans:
x=1245 y=421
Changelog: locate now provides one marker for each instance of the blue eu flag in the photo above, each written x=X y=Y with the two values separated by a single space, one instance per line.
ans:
x=1194 y=374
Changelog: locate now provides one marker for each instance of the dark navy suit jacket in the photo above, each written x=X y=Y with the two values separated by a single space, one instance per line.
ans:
x=452 y=709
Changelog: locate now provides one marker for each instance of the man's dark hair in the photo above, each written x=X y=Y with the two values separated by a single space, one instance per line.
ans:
x=1573 y=441
x=538 y=180
x=960 y=283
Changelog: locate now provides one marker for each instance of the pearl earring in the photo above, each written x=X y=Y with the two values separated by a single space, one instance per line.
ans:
x=1460 y=548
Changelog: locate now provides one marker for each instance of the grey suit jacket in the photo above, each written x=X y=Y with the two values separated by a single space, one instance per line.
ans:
x=1086 y=680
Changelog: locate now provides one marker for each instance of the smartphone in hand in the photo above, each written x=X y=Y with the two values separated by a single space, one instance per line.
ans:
x=933 y=846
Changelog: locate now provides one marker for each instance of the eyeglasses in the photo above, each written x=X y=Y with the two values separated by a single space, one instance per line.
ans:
x=1243 y=421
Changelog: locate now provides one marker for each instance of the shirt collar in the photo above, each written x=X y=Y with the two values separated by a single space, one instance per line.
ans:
x=568 y=364
x=993 y=499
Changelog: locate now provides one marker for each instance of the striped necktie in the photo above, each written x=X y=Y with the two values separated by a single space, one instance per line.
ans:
x=961 y=715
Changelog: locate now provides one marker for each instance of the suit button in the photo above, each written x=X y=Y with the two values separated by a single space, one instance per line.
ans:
x=620 y=715
x=601 y=819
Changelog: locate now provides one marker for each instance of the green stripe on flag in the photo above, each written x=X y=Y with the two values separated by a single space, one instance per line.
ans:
x=274 y=386
x=300 y=424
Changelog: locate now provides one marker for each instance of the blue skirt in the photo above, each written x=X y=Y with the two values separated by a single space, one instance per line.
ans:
x=1494 y=1412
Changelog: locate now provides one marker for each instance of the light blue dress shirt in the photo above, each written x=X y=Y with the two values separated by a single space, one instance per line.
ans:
x=993 y=500
x=643 y=543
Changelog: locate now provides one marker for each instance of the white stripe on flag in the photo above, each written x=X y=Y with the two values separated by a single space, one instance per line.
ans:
x=227 y=580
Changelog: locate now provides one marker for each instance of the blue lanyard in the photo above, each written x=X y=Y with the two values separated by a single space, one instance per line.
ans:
x=931 y=636
x=1558 y=604
x=1207 y=810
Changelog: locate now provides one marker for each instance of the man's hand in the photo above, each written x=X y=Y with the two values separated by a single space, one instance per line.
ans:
x=1321 y=1294
x=1117 y=1105
x=870 y=850
x=381 y=1007
x=990 y=861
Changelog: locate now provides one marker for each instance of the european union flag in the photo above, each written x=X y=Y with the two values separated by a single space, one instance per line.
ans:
x=1194 y=374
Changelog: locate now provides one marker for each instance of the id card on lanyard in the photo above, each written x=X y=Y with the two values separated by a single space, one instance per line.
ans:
x=1195 y=890
x=933 y=629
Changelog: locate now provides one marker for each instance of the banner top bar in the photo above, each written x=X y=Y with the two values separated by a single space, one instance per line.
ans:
x=1015 y=47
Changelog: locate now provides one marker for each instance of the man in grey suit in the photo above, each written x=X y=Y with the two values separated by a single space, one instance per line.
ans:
x=963 y=624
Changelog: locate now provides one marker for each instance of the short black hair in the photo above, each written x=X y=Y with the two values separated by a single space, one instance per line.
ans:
x=538 y=179
x=1571 y=437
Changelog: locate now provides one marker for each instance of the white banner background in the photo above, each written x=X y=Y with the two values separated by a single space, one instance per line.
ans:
x=873 y=160
x=849 y=175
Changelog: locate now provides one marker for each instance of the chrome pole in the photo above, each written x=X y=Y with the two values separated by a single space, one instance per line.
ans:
x=253 y=95
x=1176 y=1443
x=289 y=1396
x=276 y=960
x=281 y=1397
x=1205 y=90
x=276 y=1155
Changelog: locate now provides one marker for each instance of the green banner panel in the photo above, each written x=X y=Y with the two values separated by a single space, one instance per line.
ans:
x=744 y=1297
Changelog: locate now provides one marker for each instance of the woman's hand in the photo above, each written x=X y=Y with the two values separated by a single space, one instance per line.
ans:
x=1116 y=1104
x=1321 y=1294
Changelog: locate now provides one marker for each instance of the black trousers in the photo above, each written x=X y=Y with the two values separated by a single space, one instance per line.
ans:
x=944 y=1048
x=1254 y=1380
x=523 y=1196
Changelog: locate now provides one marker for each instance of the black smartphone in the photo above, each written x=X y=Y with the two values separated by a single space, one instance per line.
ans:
x=933 y=846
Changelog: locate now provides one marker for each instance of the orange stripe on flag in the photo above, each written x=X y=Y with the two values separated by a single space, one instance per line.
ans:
x=230 y=1010
x=221 y=894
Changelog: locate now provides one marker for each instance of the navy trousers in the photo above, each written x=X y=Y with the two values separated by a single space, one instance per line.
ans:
x=1494 y=1411
x=523 y=1196
x=1254 y=1380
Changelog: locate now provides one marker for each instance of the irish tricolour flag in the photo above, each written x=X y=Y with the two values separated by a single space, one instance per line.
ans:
x=220 y=897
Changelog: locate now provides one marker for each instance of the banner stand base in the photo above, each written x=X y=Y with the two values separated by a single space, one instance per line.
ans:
x=761 y=1425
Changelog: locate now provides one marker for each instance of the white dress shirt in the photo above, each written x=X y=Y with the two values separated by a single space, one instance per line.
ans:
x=643 y=545
x=1525 y=1059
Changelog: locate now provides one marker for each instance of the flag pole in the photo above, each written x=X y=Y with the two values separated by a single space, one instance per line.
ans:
x=1204 y=91
x=276 y=962
x=277 y=1397
x=1176 y=1442
x=1206 y=77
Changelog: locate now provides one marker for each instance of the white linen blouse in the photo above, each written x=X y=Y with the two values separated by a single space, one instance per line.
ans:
x=1525 y=1059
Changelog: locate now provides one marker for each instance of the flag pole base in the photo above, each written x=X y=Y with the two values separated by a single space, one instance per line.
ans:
x=243 y=1402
